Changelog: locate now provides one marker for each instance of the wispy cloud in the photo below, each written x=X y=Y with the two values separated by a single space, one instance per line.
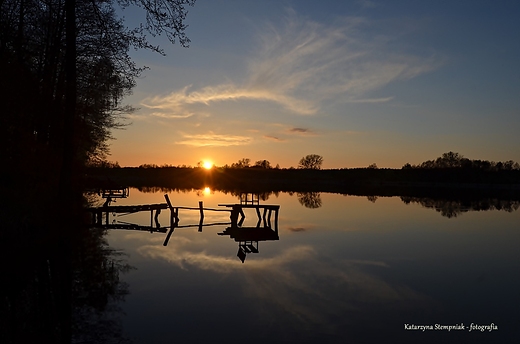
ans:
x=304 y=64
x=301 y=131
x=212 y=139
x=370 y=100
x=274 y=138
x=172 y=115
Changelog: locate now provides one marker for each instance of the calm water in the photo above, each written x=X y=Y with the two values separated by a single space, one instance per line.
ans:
x=348 y=270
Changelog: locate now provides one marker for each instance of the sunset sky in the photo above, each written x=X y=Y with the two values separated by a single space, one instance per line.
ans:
x=358 y=82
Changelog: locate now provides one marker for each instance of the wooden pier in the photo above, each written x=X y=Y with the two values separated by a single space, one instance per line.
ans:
x=247 y=237
x=97 y=213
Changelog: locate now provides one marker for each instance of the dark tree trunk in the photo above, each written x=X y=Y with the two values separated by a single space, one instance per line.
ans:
x=70 y=98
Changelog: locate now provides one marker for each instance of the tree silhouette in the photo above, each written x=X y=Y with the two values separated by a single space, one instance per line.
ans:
x=263 y=164
x=311 y=161
x=64 y=69
x=452 y=160
x=75 y=52
x=449 y=160
x=242 y=163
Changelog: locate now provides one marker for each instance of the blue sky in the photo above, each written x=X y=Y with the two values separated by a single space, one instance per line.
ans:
x=358 y=82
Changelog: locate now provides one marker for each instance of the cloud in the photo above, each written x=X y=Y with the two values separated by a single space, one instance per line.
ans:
x=176 y=104
x=203 y=140
x=171 y=115
x=274 y=138
x=371 y=100
x=282 y=136
x=303 y=64
x=296 y=229
x=301 y=131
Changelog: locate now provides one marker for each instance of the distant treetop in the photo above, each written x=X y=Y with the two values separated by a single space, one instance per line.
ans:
x=311 y=161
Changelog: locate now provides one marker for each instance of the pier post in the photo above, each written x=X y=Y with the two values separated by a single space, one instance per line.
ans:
x=234 y=216
x=201 y=209
x=156 y=218
x=276 y=220
x=259 y=217
x=174 y=219
x=99 y=218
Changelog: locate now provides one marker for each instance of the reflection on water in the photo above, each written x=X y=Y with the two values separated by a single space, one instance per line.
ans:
x=57 y=291
x=347 y=271
x=266 y=228
x=372 y=199
x=98 y=291
x=311 y=200
x=450 y=208
x=248 y=237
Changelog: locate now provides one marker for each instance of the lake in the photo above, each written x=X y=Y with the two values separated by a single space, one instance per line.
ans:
x=346 y=269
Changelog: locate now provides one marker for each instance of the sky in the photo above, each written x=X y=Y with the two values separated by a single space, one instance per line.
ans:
x=357 y=82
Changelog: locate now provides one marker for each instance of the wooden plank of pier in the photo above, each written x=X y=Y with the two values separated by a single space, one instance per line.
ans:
x=131 y=226
x=254 y=206
x=130 y=208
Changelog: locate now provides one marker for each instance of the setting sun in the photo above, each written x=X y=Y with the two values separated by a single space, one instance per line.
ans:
x=207 y=165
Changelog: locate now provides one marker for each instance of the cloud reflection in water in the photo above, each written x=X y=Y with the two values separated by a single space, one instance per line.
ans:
x=302 y=286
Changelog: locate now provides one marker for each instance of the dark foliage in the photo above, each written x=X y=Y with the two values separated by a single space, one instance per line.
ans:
x=453 y=160
x=311 y=161
x=64 y=71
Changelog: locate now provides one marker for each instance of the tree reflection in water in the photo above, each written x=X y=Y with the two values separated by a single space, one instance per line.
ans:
x=98 y=291
x=62 y=293
x=372 y=198
x=454 y=208
x=311 y=200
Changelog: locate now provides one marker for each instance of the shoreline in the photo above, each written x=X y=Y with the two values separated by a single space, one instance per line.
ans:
x=364 y=182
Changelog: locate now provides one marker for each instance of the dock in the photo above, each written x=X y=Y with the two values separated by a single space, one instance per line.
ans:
x=247 y=237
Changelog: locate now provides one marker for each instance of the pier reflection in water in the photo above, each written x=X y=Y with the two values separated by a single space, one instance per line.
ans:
x=351 y=270
x=247 y=237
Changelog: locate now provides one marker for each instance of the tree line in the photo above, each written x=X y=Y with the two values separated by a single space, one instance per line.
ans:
x=449 y=160
x=453 y=160
x=311 y=161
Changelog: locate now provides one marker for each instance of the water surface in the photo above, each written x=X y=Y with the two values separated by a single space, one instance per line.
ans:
x=345 y=270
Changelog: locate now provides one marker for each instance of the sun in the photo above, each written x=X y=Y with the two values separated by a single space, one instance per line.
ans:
x=208 y=165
